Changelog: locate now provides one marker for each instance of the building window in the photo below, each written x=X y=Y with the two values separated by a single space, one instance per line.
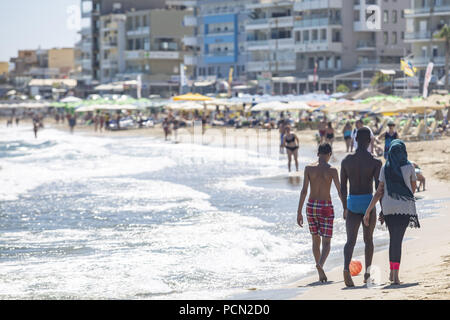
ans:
x=386 y=38
x=394 y=38
x=386 y=16
x=394 y=16
x=323 y=34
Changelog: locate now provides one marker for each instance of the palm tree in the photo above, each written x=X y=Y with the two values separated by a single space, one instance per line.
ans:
x=444 y=33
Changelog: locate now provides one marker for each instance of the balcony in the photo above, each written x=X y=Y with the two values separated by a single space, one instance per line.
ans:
x=156 y=55
x=422 y=62
x=109 y=64
x=142 y=31
x=364 y=45
x=318 y=46
x=362 y=27
x=426 y=11
x=190 y=21
x=109 y=45
x=317 y=4
x=285 y=43
x=375 y=65
x=264 y=66
x=418 y=36
x=316 y=22
x=190 y=60
x=86 y=64
x=190 y=41
x=265 y=23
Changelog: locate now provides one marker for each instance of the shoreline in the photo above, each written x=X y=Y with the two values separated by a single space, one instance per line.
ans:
x=425 y=260
x=425 y=268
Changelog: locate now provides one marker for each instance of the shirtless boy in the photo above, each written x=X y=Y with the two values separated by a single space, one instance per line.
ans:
x=319 y=210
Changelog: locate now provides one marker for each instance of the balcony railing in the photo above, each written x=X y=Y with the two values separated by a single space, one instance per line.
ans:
x=365 y=44
x=424 y=61
x=139 y=31
x=317 y=4
x=427 y=10
x=420 y=35
x=316 y=22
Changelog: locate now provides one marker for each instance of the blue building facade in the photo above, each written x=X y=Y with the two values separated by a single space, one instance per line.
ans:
x=221 y=34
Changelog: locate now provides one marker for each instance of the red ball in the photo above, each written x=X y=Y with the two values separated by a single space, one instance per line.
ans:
x=355 y=267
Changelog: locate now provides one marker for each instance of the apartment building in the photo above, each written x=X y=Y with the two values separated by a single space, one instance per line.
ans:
x=219 y=35
x=61 y=59
x=270 y=42
x=91 y=11
x=4 y=68
x=346 y=41
x=425 y=19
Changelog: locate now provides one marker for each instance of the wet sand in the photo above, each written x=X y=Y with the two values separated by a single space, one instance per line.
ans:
x=425 y=268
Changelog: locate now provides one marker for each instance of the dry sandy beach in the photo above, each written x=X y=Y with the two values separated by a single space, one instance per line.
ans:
x=425 y=268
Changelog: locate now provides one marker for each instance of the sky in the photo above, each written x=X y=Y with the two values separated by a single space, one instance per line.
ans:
x=30 y=24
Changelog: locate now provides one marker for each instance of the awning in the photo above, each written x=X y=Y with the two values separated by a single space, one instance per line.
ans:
x=388 y=72
x=203 y=83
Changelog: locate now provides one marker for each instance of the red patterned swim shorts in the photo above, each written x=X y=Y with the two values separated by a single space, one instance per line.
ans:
x=320 y=216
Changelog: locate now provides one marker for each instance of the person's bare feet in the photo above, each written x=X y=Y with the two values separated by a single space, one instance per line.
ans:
x=322 y=275
x=366 y=277
x=395 y=279
x=348 y=279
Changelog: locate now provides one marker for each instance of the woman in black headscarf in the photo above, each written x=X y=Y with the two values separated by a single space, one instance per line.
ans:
x=396 y=192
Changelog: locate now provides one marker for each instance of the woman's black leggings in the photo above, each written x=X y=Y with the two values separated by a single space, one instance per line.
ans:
x=397 y=225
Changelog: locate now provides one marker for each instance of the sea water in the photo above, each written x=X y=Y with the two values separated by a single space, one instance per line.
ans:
x=87 y=217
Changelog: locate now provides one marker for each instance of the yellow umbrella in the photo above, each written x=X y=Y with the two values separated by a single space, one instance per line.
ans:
x=192 y=97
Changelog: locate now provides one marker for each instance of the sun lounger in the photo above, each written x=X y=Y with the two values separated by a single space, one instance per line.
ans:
x=433 y=131
x=419 y=132
x=405 y=130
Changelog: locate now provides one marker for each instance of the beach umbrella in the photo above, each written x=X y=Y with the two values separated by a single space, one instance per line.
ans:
x=71 y=99
x=187 y=105
x=225 y=103
x=390 y=107
x=298 y=106
x=85 y=108
x=191 y=97
x=270 y=106
x=424 y=106
x=439 y=99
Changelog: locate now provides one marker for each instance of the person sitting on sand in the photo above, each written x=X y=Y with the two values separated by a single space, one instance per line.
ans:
x=319 y=210
x=419 y=176
x=361 y=170
x=396 y=192
x=291 y=143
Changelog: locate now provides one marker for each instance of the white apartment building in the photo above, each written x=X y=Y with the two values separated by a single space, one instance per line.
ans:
x=424 y=20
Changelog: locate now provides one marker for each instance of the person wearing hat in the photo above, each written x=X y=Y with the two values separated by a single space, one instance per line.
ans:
x=389 y=135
